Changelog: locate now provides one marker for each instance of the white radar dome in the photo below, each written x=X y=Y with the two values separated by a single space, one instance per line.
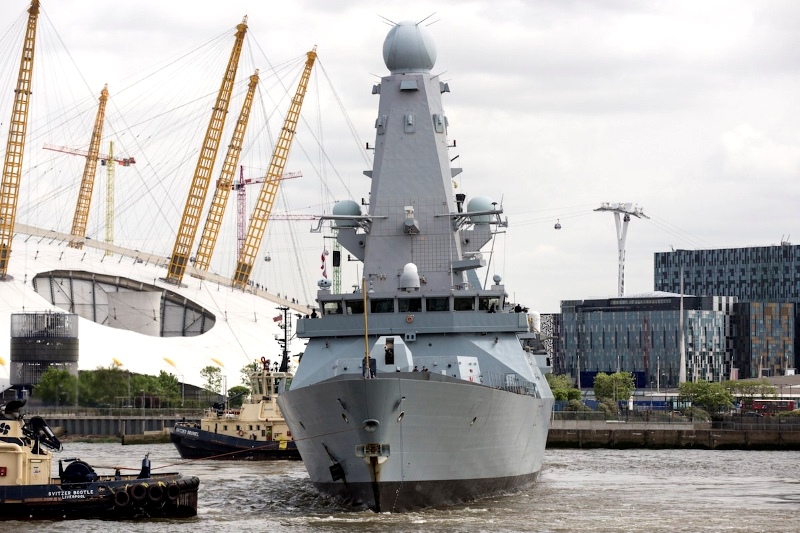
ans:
x=346 y=208
x=409 y=47
x=480 y=203
x=409 y=279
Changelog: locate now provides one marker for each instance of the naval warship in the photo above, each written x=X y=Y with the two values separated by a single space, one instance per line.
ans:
x=415 y=390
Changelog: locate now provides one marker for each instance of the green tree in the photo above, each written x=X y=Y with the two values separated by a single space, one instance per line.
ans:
x=102 y=386
x=711 y=397
x=213 y=378
x=614 y=387
x=747 y=390
x=249 y=369
x=57 y=387
x=169 y=388
x=237 y=395
x=562 y=387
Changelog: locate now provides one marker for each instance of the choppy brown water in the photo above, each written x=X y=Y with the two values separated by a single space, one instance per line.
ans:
x=611 y=491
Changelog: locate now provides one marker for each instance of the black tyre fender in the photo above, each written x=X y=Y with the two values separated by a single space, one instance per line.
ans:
x=138 y=492
x=173 y=491
x=155 y=493
x=121 y=498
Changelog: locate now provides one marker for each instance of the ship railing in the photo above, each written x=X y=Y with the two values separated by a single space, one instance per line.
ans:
x=512 y=383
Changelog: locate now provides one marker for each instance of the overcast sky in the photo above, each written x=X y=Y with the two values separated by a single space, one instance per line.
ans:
x=687 y=109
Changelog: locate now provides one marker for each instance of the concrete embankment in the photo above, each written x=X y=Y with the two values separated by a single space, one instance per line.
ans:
x=613 y=434
x=117 y=426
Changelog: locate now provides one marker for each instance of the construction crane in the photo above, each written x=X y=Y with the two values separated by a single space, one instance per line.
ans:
x=269 y=189
x=15 y=147
x=217 y=209
x=179 y=259
x=627 y=210
x=241 y=202
x=105 y=160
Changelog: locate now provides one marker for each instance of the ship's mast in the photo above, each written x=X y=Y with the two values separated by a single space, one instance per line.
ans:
x=15 y=148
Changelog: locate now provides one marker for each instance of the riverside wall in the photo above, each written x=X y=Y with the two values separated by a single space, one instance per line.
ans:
x=116 y=426
x=763 y=435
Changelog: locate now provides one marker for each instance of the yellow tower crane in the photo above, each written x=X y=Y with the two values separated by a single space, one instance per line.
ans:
x=205 y=163
x=217 y=209
x=269 y=189
x=81 y=215
x=15 y=148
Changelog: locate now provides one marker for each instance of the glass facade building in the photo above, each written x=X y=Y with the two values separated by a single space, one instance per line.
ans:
x=641 y=335
x=766 y=282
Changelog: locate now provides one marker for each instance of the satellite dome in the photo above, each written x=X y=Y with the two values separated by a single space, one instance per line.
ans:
x=346 y=208
x=480 y=203
x=409 y=279
x=409 y=47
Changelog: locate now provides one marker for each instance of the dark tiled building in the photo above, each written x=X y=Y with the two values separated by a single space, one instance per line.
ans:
x=766 y=282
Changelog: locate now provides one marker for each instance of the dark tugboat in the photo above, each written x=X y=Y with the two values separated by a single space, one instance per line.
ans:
x=28 y=492
x=257 y=430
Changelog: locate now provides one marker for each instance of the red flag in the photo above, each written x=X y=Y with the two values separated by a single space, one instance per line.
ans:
x=277 y=318
x=323 y=267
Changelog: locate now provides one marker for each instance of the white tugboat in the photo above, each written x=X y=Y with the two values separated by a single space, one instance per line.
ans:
x=416 y=391
x=256 y=431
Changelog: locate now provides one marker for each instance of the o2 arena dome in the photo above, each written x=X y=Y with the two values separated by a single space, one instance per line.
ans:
x=409 y=47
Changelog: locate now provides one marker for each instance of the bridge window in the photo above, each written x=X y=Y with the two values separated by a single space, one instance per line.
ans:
x=354 y=307
x=437 y=304
x=409 y=305
x=485 y=303
x=332 y=308
x=464 y=304
x=384 y=305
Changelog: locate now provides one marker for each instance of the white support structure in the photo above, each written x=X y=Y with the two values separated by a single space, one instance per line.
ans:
x=627 y=210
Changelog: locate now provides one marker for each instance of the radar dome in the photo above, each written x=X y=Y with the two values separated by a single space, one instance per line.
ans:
x=409 y=47
x=409 y=279
x=346 y=208
x=480 y=203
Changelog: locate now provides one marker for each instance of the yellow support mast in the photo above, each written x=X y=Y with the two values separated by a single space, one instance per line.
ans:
x=15 y=148
x=217 y=210
x=81 y=216
x=110 y=197
x=205 y=164
x=269 y=189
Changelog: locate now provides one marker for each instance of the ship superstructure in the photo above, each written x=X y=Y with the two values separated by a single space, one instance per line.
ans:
x=415 y=390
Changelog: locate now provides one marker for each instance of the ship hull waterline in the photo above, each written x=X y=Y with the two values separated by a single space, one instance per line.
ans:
x=430 y=440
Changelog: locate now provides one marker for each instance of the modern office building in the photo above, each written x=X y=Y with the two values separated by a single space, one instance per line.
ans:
x=766 y=282
x=641 y=334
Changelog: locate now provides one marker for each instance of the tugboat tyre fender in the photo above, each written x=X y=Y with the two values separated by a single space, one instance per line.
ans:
x=173 y=491
x=138 y=492
x=121 y=498
x=155 y=493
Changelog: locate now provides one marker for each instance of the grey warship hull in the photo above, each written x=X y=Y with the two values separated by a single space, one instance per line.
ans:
x=441 y=440
x=415 y=390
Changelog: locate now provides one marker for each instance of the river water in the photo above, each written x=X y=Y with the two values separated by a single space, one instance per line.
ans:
x=612 y=491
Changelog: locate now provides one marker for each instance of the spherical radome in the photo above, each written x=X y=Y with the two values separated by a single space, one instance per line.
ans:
x=479 y=203
x=346 y=208
x=409 y=47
